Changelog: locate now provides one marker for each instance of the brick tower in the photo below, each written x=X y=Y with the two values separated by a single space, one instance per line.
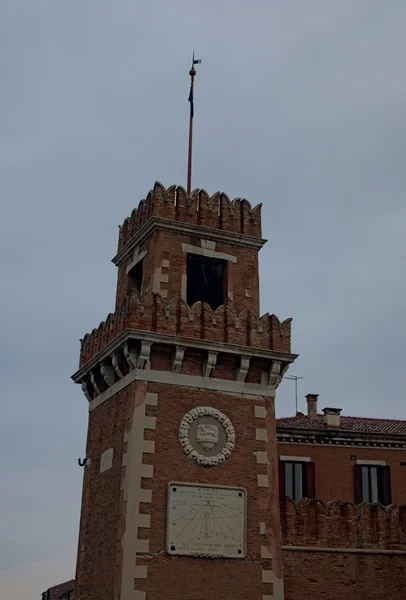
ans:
x=180 y=495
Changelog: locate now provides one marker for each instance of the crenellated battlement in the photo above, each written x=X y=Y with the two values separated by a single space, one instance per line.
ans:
x=173 y=203
x=175 y=317
x=186 y=333
x=338 y=524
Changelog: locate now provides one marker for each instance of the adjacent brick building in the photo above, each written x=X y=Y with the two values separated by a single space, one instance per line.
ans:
x=342 y=495
x=180 y=495
x=336 y=457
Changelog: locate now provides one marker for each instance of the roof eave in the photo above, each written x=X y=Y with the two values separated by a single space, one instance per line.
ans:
x=329 y=432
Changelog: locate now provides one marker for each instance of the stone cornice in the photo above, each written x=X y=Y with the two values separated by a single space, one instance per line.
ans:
x=216 y=235
x=235 y=388
x=340 y=438
x=161 y=338
x=130 y=357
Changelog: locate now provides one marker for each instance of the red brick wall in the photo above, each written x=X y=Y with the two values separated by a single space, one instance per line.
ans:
x=199 y=578
x=335 y=469
x=174 y=317
x=340 y=524
x=165 y=245
x=360 y=573
x=321 y=576
x=101 y=523
x=217 y=211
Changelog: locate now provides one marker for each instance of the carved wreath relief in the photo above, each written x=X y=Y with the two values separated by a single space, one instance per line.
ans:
x=207 y=436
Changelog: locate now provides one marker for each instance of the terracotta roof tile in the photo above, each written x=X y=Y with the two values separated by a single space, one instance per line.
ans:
x=350 y=424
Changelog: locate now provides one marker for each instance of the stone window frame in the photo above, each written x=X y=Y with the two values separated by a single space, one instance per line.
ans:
x=308 y=475
x=137 y=257
x=208 y=248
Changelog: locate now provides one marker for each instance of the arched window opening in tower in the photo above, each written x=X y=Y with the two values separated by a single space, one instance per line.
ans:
x=206 y=280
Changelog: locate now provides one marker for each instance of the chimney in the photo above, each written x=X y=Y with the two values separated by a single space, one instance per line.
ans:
x=312 y=406
x=332 y=417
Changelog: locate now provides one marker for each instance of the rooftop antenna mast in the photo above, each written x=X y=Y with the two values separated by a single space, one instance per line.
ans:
x=295 y=379
x=192 y=74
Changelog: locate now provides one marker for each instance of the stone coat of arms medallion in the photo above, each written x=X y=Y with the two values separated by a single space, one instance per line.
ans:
x=207 y=436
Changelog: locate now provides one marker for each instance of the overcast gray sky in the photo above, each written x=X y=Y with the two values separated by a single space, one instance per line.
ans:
x=299 y=105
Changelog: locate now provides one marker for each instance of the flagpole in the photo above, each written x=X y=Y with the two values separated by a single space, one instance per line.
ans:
x=192 y=74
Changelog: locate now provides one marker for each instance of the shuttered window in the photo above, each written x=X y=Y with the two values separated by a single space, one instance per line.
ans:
x=372 y=484
x=296 y=479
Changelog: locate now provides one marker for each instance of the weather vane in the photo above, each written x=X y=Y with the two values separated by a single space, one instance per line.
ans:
x=192 y=74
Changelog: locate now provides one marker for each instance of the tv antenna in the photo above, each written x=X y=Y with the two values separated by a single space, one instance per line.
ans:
x=295 y=379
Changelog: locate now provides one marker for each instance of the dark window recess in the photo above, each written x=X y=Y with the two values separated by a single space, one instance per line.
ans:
x=296 y=479
x=372 y=484
x=205 y=280
x=135 y=277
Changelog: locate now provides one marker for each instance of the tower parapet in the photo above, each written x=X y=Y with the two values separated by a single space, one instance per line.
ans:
x=173 y=203
x=200 y=321
x=181 y=381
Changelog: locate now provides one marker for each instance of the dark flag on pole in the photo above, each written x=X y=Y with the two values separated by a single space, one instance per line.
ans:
x=192 y=108
x=195 y=61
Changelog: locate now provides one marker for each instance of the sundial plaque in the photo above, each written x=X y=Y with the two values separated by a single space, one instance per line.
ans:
x=206 y=520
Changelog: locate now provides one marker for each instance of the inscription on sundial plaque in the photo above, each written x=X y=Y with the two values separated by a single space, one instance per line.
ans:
x=206 y=520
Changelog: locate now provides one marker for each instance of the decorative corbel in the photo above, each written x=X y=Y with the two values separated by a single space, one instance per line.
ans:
x=85 y=390
x=178 y=358
x=210 y=363
x=276 y=373
x=131 y=356
x=115 y=361
x=144 y=358
x=243 y=369
x=95 y=384
x=107 y=372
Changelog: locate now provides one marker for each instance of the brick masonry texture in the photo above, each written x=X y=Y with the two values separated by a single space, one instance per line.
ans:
x=334 y=469
x=237 y=321
x=101 y=525
x=186 y=578
x=343 y=575
x=161 y=307
x=99 y=564
x=166 y=245
x=216 y=211
x=175 y=317
x=340 y=524
x=321 y=576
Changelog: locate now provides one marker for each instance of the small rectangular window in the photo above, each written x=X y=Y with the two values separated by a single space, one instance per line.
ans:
x=206 y=280
x=135 y=277
x=373 y=473
x=289 y=480
x=372 y=484
x=295 y=480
